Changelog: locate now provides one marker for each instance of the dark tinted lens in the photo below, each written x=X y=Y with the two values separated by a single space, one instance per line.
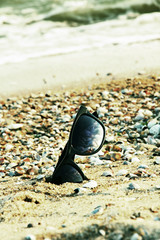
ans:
x=88 y=135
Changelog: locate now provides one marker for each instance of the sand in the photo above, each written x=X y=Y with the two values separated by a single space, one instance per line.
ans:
x=47 y=211
x=71 y=70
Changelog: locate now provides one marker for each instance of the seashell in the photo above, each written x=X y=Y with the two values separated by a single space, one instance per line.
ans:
x=15 y=126
x=132 y=176
x=91 y=184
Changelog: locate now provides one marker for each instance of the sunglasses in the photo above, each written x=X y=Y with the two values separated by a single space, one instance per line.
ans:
x=86 y=138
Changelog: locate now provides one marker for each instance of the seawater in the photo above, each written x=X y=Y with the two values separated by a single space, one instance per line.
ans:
x=36 y=28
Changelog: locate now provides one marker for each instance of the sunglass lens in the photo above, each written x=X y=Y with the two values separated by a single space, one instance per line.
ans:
x=88 y=135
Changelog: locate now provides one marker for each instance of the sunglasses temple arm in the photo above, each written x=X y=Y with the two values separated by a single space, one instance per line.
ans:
x=73 y=164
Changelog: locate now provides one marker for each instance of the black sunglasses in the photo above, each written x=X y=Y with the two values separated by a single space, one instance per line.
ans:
x=86 y=138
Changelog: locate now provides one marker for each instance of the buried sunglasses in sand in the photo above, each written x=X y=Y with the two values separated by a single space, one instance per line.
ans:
x=86 y=138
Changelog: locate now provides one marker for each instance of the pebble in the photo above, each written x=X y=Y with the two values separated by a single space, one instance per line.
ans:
x=135 y=159
x=8 y=147
x=152 y=123
x=95 y=161
x=136 y=236
x=97 y=210
x=122 y=172
x=107 y=174
x=133 y=186
x=91 y=184
x=157 y=187
x=80 y=190
x=30 y=237
x=143 y=166
x=157 y=160
x=155 y=130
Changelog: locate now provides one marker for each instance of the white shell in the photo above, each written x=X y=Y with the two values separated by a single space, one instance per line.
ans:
x=122 y=172
x=90 y=184
x=15 y=126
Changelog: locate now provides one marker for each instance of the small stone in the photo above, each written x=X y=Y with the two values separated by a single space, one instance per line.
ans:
x=2 y=174
x=97 y=210
x=122 y=172
x=95 y=161
x=40 y=176
x=30 y=225
x=125 y=163
x=101 y=111
x=30 y=237
x=155 y=130
x=157 y=161
x=152 y=123
x=142 y=94
x=91 y=184
x=66 y=118
x=139 y=117
x=8 y=147
x=157 y=187
x=132 y=176
x=147 y=113
x=157 y=218
x=143 y=166
x=135 y=159
x=80 y=190
x=102 y=232
x=110 y=139
x=107 y=174
x=135 y=236
x=105 y=94
x=133 y=186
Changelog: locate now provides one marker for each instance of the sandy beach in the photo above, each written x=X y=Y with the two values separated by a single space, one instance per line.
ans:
x=74 y=69
x=38 y=100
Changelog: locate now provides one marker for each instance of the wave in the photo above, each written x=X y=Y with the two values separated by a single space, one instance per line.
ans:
x=80 y=11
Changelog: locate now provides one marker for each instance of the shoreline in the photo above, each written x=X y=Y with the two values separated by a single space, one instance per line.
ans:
x=81 y=68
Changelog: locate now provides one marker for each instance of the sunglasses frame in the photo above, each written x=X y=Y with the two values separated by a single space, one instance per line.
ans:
x=69 y=152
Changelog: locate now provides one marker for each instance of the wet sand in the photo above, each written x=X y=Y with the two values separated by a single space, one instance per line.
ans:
x=73 y=70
